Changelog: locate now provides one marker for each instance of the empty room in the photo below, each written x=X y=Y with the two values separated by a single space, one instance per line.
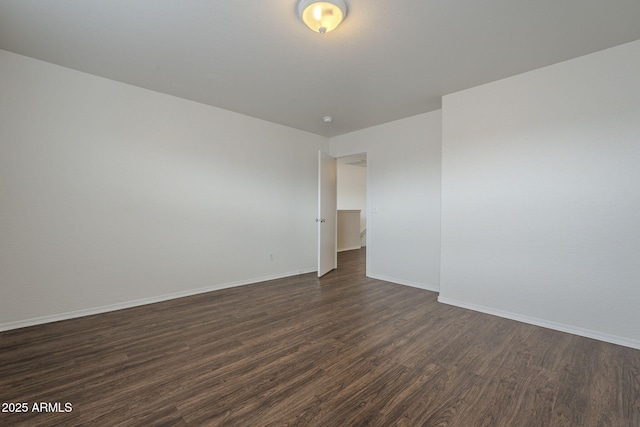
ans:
x=170 y=201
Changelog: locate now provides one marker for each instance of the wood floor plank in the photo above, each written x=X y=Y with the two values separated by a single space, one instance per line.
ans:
x=343 y=350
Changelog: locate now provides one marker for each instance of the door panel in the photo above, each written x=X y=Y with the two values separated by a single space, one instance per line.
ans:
x=327 y=211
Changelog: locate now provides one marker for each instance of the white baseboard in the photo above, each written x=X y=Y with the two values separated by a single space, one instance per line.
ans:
x=405 y=282
x=614 y=339
x=135 y=303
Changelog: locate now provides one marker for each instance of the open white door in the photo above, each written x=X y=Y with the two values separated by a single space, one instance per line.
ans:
x=327 y=222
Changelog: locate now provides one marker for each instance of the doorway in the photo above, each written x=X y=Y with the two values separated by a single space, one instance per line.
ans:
x=351 y=205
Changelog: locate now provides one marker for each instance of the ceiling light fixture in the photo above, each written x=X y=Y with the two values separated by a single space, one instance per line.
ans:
x=322 y=16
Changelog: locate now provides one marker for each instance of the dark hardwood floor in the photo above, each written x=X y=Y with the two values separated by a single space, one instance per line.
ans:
x=340 y=351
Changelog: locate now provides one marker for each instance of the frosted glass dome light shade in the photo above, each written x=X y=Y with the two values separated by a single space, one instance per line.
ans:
x=322 y=16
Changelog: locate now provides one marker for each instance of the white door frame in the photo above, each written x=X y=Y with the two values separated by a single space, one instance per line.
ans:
x=368 y=209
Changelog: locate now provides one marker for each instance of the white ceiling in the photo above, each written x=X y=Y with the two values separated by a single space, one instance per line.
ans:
x=388 y=60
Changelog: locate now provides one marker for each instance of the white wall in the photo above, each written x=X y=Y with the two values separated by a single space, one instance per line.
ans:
x=348 y=233
x=403 y=189
x=352 y=191
x=112 y=195
x=541 y=196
